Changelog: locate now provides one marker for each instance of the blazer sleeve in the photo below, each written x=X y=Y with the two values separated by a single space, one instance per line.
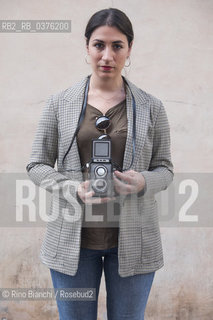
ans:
x=160 y=173
x=44 y=154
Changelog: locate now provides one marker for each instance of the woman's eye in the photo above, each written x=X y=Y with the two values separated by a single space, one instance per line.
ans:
x=99 y=45
x=117 y=46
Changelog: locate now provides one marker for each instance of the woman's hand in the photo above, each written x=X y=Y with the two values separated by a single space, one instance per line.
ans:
x=87 y=196
x=128 y=182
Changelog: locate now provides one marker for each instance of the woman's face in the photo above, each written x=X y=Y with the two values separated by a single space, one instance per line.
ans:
x=108 y=49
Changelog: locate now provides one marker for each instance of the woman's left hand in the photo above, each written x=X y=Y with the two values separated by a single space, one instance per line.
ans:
x=128 y=182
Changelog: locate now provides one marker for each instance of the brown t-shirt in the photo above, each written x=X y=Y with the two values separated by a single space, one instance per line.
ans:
x=102 y=234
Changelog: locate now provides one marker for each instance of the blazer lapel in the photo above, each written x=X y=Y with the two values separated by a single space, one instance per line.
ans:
x=142 y=122
x=128 y=148
x=73 y=101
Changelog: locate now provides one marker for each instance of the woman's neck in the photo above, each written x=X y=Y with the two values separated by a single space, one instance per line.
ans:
x=106 y=85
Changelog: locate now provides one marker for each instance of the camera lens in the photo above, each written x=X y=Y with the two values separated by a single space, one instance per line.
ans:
x=100 y=185
x=101 y=171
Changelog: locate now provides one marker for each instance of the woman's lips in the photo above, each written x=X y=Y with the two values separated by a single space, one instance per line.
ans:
x=106 y=68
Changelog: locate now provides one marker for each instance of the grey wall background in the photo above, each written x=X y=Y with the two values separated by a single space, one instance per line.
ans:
x=171 y=59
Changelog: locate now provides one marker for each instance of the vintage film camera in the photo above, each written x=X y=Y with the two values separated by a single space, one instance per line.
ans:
x=101 y=169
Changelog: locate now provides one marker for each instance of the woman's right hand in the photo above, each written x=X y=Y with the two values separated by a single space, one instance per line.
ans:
x=87 y=196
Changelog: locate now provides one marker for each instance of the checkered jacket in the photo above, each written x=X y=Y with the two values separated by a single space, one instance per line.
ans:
x=139 y=245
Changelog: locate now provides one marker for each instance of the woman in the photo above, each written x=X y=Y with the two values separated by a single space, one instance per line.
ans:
x=138 y=130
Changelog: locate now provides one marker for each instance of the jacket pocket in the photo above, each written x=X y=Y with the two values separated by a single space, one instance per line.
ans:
x=150 y=238
x=53 y=230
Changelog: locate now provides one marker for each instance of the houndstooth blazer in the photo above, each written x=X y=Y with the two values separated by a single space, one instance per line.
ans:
x=139 y=246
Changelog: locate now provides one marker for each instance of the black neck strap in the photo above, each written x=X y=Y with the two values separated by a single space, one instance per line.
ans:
x=81 y=117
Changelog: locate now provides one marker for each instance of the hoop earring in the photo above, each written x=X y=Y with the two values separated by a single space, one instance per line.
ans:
x=86 y=59
x=129 y=62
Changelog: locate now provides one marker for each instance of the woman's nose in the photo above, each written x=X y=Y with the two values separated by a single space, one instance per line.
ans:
x=107 y=54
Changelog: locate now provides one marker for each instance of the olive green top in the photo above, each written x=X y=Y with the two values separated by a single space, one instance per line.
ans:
x=102 y=234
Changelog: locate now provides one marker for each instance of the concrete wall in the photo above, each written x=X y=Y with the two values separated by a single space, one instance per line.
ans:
x=171 y=59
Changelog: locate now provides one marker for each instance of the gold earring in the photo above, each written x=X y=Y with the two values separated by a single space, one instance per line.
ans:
x=129 y=62
x=86 y=59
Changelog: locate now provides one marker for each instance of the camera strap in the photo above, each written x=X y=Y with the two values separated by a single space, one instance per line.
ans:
x=81 y=117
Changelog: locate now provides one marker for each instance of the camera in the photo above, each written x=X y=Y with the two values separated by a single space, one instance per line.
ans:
x=101 y=169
